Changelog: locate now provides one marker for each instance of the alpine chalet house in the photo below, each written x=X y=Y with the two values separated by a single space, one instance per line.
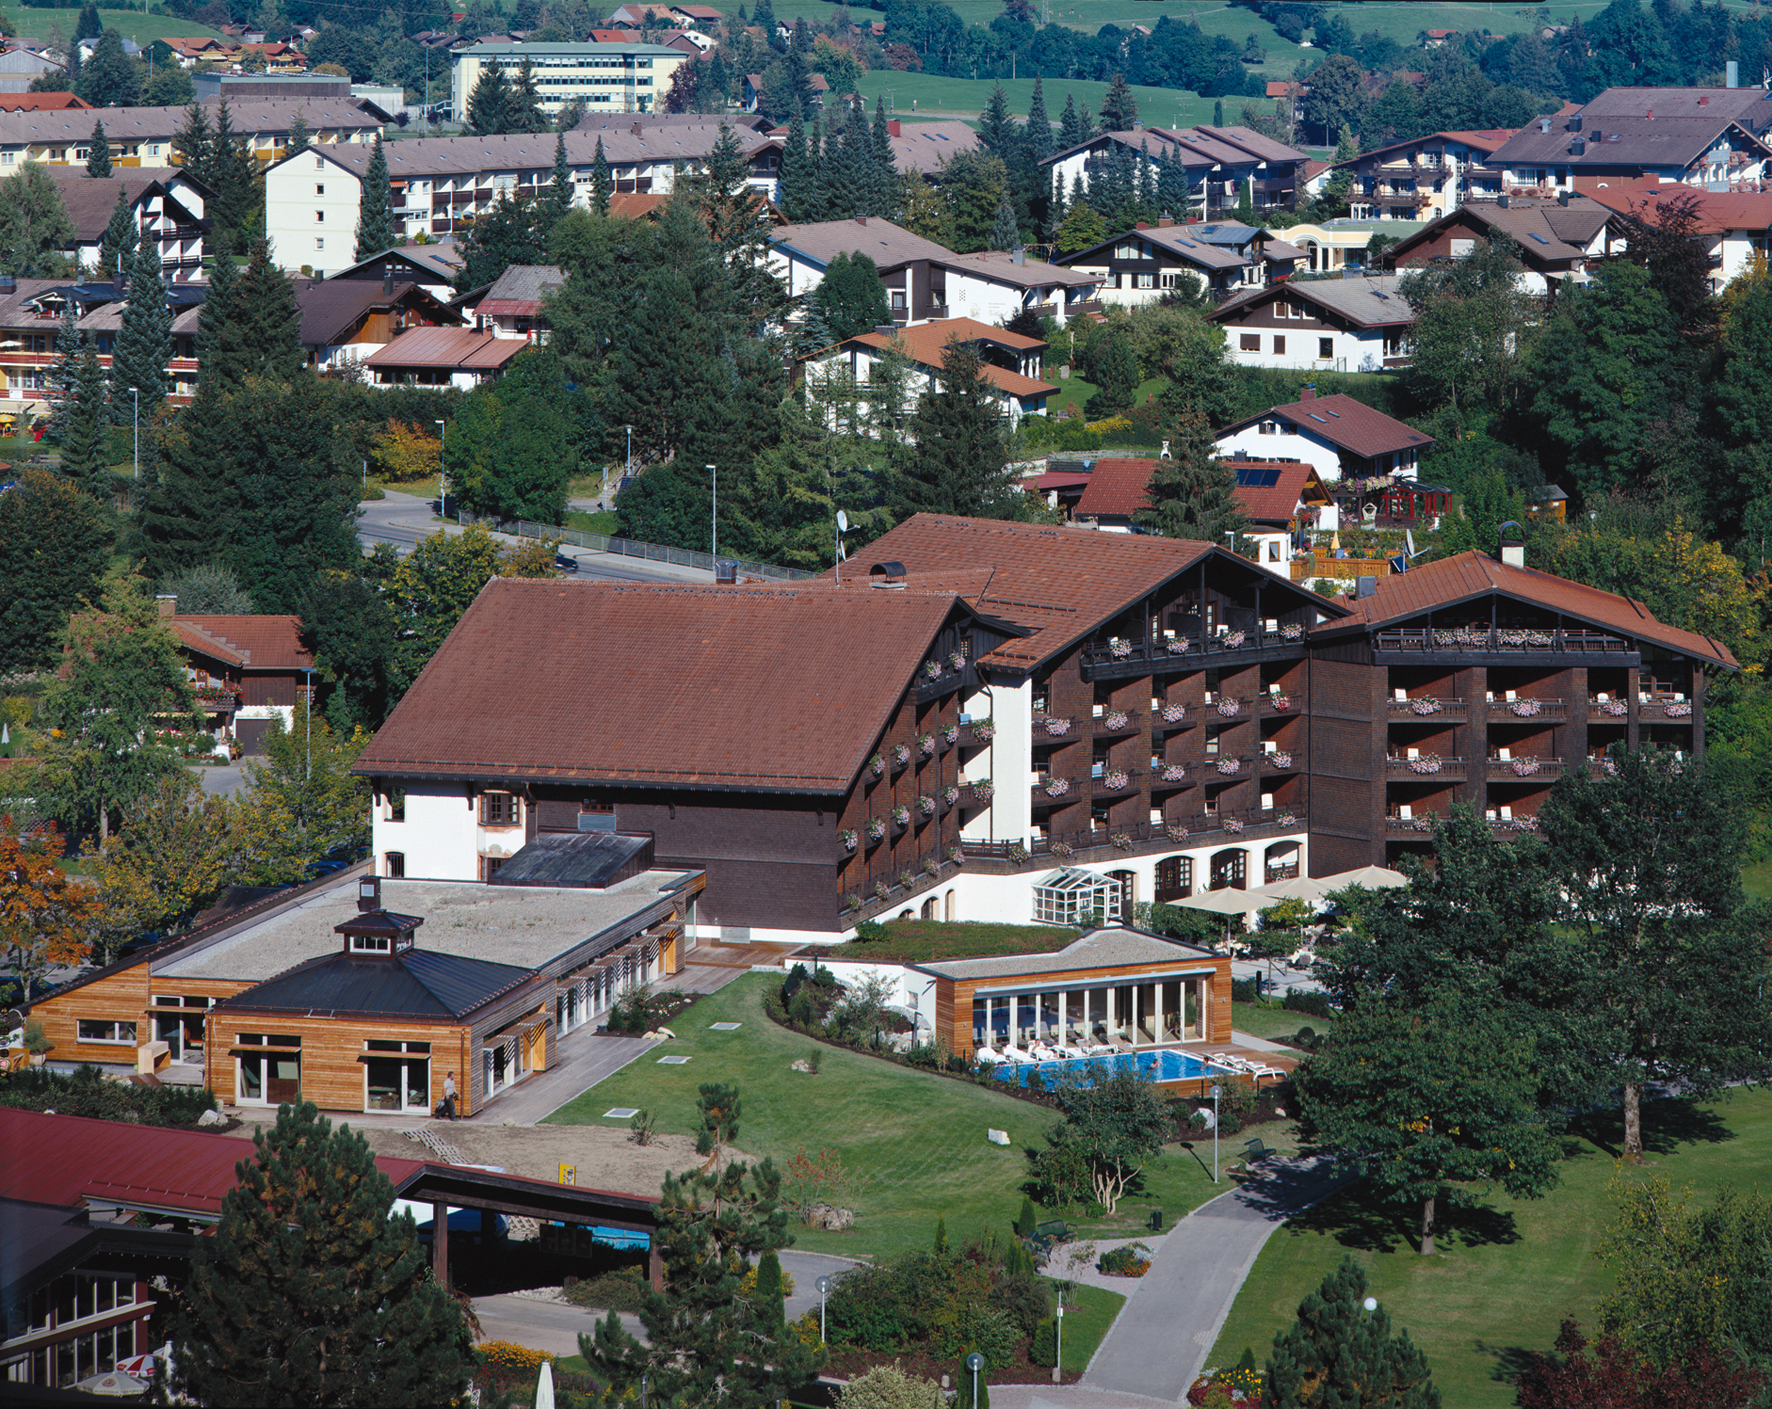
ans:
x=1012 y=722
x=1556 y=238
x=1351 y=324
x=1339 y=437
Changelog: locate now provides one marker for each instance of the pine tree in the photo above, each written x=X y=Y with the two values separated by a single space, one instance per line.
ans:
x=233 y=172
x=299 y=140
x=143 y=346
x=996 y=129
x=885 y=164
x=221 y=305
x=1193 y=494
x=1039 y=128
x=195 y=144
x=964 y=1398
x=110 y=79
x=601 y=185
x=187 y=514
x=1056 y=205
x=1004 y=234
x=309 y=1293
x=117 y=246
x=61 y=381
x=85 y=440
x=941 y=1233
x=956 y=465
x=98 y=161
x=89 y=25
x=796 y=173
x=489 y=105
x=1173 y=199
x=375 y=213
x=1074 y=127
x=263 y=339
x=1144 y=196
x=525 y=105
x=839 y=197
x=1119 y=110
x=1339 y=1355
x=561 y=190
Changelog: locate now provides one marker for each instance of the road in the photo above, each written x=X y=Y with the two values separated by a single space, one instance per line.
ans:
x=403 y=519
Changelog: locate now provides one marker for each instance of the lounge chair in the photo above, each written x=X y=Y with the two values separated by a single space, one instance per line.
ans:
x=1119 y=1044
x=1015 y=1054
x=986 y=1054
x=1097 y=1049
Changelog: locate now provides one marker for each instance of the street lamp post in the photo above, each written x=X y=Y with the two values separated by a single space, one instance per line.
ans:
x=715 y=509
x=1217 y=1090
x=1058 y=1359
x=442 y=475
x=975 y=1363
x=136 y=395
x=824 y=1286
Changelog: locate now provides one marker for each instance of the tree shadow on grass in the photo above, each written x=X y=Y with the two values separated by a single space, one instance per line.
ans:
x=1510 y=1361
x=1668 y=1124
x=1358 y=1218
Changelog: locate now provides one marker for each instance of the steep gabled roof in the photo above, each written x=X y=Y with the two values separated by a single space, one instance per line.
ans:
x=694 y=686
x=1550 y=235
x=1368 y=301
x=1348 y=424
x=268 y=642
x=1468 y=576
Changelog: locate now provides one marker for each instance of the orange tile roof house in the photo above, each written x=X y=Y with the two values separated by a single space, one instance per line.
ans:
x=1557 y=238
x=1010 y=362
x=247 y=671
x=1337 y=435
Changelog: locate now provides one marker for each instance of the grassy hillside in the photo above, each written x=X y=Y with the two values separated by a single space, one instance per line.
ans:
x=131 y=24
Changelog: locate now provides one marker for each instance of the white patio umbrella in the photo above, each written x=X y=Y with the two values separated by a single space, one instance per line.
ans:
x=111 y=1382
x=544 y=1387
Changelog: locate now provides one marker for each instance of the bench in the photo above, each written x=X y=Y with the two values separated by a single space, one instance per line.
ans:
x=1055 y=1231
x=1257 y=1149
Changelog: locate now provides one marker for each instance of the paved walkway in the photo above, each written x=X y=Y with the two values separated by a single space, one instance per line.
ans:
x=1158 y=1344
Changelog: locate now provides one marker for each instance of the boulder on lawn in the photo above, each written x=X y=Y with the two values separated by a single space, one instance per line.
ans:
x=211 y=1118
x=996 y=1137
x=837 y=1220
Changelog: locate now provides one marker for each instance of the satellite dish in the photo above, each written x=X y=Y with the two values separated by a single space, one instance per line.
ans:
x=842 y=522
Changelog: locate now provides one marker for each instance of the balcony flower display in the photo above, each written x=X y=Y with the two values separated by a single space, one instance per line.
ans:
x=925 y=744
x=1281 y=702
x=983 y=790
x=1230 y=707
x=1679 y=709
x=1426 y=704
x=1175 y=773
x=1063 y=850
x=1232 y=825
x=216 y=695
x=1115 y=719
x=1616 y=709
x=1466 y=637
x=1525 y=767
x=1230 y=767
x=1427 y=763
x=926 y=805
x=956 y=660
x=1511 y=637
x=852 y=901
x=1057 y=787
x=906 y=878
x=849 y=838
x=984 y=730
x=950 y=795
x=950 y=734
x=1058 y=728
x=1017 y=852
x=931 y=867
x=931 y=670
x=1280 y=758
x=1524 y=708
x=1525 y=824
x=1175 y=832
x=901 y=755
x=1123 y=840
x=878 y=764
x=957 y=856
x=881 y=890
x=1119 y=648
x=1114 y=780
x=876 y=829
x=1234 y=640
x=1291 y=631
x=1286 y=819
x=901 y=815
x=1178 y=645
x=1174 y=713
x=1608 y=767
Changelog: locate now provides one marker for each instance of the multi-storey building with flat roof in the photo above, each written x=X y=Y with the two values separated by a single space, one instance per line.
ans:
x=628 y=78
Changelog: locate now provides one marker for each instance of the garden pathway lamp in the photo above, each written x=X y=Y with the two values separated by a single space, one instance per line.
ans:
x=824 y=1286
x=1217 y=1090
x=442 y=475
x=975 y=1363
x=1058 y=1358
x=714 y=515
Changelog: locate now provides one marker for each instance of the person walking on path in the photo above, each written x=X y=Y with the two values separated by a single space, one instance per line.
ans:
x=449 y=1097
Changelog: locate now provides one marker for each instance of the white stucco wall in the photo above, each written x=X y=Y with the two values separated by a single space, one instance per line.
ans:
x=1349 y=351
x=311 y=208
x=1251 y=443
x=439 y=837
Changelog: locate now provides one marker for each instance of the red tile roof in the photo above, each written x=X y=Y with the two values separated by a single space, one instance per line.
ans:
x=447 y=348
x=785 y=690
x=924 y=344
x=1468 y=576
x=1118 y=488
x=257 y=642
x=1717 y=211
x=1352 y=425
x=34 y=102
x=1278 y=503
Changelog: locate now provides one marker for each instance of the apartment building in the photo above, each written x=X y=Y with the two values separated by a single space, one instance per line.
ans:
x=628 y=78
x=143 y=136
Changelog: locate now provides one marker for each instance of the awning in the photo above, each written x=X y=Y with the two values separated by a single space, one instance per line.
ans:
x=1312 y=888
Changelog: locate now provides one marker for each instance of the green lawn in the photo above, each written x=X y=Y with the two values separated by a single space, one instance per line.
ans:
x=603 y=522
x=914 y=1142
x=914 y=95
x=35 y=24
x=1088 y=1312
x=919 y=941
x=1497 y=1289
x=1259 y=1020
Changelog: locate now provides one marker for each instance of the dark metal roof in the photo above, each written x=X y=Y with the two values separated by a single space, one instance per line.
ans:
x=418 y=983
x=380 y=922
x=573 y=859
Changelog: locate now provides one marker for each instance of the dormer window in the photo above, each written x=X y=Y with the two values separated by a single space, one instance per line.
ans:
x=369 y=944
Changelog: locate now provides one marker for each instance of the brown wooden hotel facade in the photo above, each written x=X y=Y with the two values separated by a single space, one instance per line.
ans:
x=994 y=700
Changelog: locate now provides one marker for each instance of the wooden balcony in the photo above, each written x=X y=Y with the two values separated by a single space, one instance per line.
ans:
x=1281 y=760
x=1426 y=707
x=1125 y=657
x=1160 y=778
x=1054 y=791
x=1506 y=641
x=1422 y=825
x=1278 y=706
x=1426 y=770
x=1665 y=710
x=1143 y=838
x=1527 y=711
x=1050 y=727
x=1106 y=783
x=1116 y=721
x=1523 y=770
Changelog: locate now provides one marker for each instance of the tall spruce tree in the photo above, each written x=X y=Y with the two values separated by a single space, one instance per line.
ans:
x=885 y=164
x=561 y=191
x=957 y=463
x=85 y=436
x=110 y=79
x=309 y=1293
x=375 y=214
x=796 y=173
x=117 y=246
x=1193 y=494
x=996 y=129
x=139 y=379
x=1339 y=1355
x=264 y=335
x=221 y=305
x=195 y=144
x=1074 y=125
x=233 y=172
x=186 y=515
x=300 y=139
x=61 y=381
x=1039 y=126
x=98 y=160
x=489 y=105
x=602 y=187
x=1119 y=109
x=1004 y=233
x=525 y=107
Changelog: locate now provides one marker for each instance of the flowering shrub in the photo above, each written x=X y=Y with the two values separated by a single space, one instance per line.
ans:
x=1017 y=852
x=1173 y=713
x=1617 y=709
x=1057 y=787
x=1427 y=763
x=905 y=878
x=900 y=814
x=1232 y=825
x=848 y=837
x=852 y=901
x=931 y=867
x=1063 y=850
x=1679 y=709
x=984 y=730
x=1123 y=840
x=1119 y=719
x=1291 y=631
x=984 y=790
x=1240 y=1388
x=925 y=744
x=931 y=669
x=1525 y=824
x=1609 y=768
x=901 y=755
x=1131 y=1261
x=1280 y=758
x=1525 y=767
x=1230 y=766
x=1114 y=779
x=1174 y=773
x=511 y=1358
x=1235 y=640
x=876 y=829
x=1175 y=832
x=1286 y=819
x=1058 y=727
x=926 y=805
x=1427 y=704
x=1118 y=648
x=950 y=734
x=878 y=764
x=1524 y=708
x=956 y=855
x=950 y=795
x=1178 y=645
x=1229 y=707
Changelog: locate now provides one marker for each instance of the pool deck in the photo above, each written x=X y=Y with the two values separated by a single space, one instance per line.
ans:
x=1263 y=1057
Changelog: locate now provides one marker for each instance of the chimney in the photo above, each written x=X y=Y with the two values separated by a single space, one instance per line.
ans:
x=1501 y=201
x=1018 y=255
x=1574 y=123
x=1562 y=198
x=1544 y=124
x=1578 y=147
x=368 y=894
x=1649 y=116
x=893 y=127
x=1365 y=587
x=1142 y=225
x=1731 y=74
x=387 y=285
x=861 y=220
x=166 y=604
x=635 y=130
x=1513 y=545
x=1309 y=393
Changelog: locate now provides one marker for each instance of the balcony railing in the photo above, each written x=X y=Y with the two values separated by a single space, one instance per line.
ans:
x=1666 y=711
x=1281 y=873
x=1525 y=710
x=1054 y=726
x=1179 y=652
x=1426 y=707
x=1423 y=824
x=1503 y=640
x=1278 y=706
x=1082 y=308
x=1116 y=721
x=1198 y=829
x=1051 y=790
x=1523 y=770
x=1108 y=782
x=1426 y=769
x=1160 y=775
x=1281 y=760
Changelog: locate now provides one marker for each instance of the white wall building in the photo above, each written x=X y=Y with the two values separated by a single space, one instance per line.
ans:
x=1333 y=325
x=629 y=78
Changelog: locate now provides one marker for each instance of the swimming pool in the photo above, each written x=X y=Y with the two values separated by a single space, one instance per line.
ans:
x=1161 y=1065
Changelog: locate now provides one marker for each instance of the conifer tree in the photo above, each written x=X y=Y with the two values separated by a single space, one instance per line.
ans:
x=1193 y=494
x=85 y=437
x=771 y=1309
x=1144 y=195
x=221 y=305
x=187 y=513
x=525 y=114
x=1039 y=127
x=956 y=464
x=796 y=173
x=1004 y=234
x=299 y=138
x=837 y=185
x=309 y=1293
x=1074 y=126
x=116 y=247
x=561 y=190
x=195 y=142
x=98 y=161
x=1119 y=109
x=601 y=185
x=61 y=381
x=264 y=336
x=1172 y=190
x=1339 y=1355
x=143 y=346
x=233 y=173
x=375 y=216
x=489 y=105
x=996 y=129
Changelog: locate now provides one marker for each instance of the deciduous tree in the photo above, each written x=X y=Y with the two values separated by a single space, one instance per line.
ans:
x=851 y=298
x=170 y=860
x=34 y=224
x=47 y=917
x=1613 y=1377
x=301 y=803
x=1117 y=1125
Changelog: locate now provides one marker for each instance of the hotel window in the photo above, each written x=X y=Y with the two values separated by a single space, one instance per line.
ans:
x=319 y=242
x=105 y=1030
x=498 y=809
x=319 y=188
x=1250 y=342
x=1325 y=347
x=394 y=865
x=1279 y=346
x=319 y=217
